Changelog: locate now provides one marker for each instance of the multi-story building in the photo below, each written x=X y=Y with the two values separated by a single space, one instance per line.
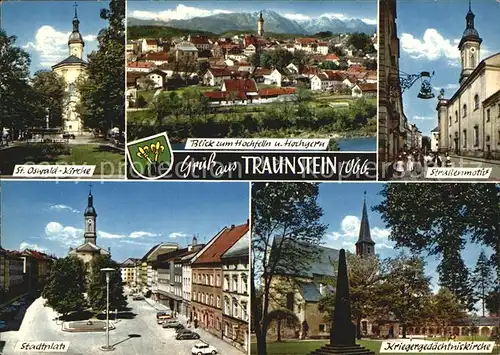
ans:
x=467 y=123
x=391 y=116
x=207 y=278
x=128 y=270
x=235 y=289
x=14 y=274
x=149 y=272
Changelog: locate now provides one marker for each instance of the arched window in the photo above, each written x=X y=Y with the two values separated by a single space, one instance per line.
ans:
x=449 y=121
x=476 y=102
x=456 y=116
x=464 y=110
x=71 y=89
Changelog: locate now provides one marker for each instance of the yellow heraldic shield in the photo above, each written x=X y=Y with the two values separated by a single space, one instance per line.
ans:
x=151 y=157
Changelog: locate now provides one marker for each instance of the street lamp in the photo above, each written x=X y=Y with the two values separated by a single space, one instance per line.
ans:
x=107 y=347
x=405 y=81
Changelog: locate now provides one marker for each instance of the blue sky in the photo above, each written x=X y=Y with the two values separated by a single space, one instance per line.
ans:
x=165 y=10
x=43 y=27
x=429 y=33
x=342 y=207
x=131 y=217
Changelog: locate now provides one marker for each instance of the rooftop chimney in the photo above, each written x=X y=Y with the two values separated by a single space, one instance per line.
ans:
x=232 y=226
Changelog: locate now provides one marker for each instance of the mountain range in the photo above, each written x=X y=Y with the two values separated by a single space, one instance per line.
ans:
x=273 y=22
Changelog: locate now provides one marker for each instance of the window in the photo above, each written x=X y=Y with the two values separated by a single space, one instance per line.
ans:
x=449 y=121
x=290 y=300
x=456 y=116
x=226 y=329
x=476 y=102
x=211 y=300
x=244 y=310
x=227 y=306
x=322 y=328
x=199 y=297
x=235 y=308
x=472 y=60
x=464 y=110
x=226 y=283
x=218 y=301
x=217 y=280
x=476 y=136
x=244 y=281
x=235 y=284
x=488 y=115
x=465 y=138
x=211 y=280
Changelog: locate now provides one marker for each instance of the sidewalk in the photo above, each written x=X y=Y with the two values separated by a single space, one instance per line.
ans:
x=481 y=160
x=223 y=346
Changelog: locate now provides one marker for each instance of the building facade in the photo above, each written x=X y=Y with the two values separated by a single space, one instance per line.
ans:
x=235 y=292
x=469 y=124
x=128 y=271
x=207 y=276
x=70 y=69
x=89 y=249
x=391 y=117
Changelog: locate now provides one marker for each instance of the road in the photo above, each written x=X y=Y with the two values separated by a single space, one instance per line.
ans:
x=459 y=162
x=137 y=336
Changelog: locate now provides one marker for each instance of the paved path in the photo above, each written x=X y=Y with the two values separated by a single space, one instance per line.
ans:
x=150 y=338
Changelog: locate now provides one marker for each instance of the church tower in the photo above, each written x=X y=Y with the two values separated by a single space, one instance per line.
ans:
x=75 y=42
x=365 y=245
x=90 y=216
x=469 y=47
x=260 y=26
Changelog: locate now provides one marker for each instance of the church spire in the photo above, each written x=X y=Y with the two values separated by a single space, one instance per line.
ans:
x=75 y=41
x=469 y=46
x=365 y=244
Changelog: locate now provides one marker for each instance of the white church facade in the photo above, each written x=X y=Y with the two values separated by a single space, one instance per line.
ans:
x=71 y=69
x=469 y=121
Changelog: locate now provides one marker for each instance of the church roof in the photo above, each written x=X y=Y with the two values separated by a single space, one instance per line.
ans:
x=90 y=247
x=70 y=60
x=435 y=129
x=364 y=230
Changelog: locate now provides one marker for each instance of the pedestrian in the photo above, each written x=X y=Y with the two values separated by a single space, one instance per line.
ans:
x=399 y=167
x=448 y=160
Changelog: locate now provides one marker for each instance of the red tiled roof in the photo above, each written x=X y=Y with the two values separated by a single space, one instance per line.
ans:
x=215 y=94
x=306 y=40
x=262 y=71
x=323 y=44
x=368 y=87
x=331 y=75
x=309 y=70
x=240 y=85
x=222 y=244
x=199 y=40
x=331 y=56
x=276 y=91
x=151 y=42
x=156 y=56
x=145 y=65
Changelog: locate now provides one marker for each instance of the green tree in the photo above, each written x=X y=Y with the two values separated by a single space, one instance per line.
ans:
x=96 y=287
x=285 y=228
x=280 y=316
x=333 y=145
x=362 y=42
x=329 y=65
x=482 y=279
x=407 y=288
x=140 y=102
x=493 y=301
x=365 y=289
x=65 y=287
x=15 y=91
x=50 y=89
x=454 y=215
x=102 y=89
x=446 y=308
x=166 y=104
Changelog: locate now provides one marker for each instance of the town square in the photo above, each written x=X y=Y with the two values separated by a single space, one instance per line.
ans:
x=178 y=284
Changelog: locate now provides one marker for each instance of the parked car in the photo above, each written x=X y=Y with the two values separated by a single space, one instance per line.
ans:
x=180 y=328
x=67 y=135
x=163 y=316
x=172 y=323
x=187 y=334
x=202 y=349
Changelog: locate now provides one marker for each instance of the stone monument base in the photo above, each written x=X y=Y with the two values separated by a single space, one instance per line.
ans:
x=342 y=349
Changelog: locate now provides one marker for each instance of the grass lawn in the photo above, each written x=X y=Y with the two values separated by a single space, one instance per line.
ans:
x=295 y=347
x=108 y=160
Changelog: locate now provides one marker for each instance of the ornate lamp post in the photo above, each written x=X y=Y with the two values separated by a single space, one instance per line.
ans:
x=107 y=347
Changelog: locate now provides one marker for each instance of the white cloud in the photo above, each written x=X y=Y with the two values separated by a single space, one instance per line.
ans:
x=62 y=208
x=348 y=234
x=424 y=118
x=297 y=17
x=106 y=235
x=68 y=236
x=134 y=242
x=432 y=46
x=176 y=235
x=447 y=87
x=369 y=21
x=52 y=45
x=25 y=245
x=181 y=12
x=141 y=234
